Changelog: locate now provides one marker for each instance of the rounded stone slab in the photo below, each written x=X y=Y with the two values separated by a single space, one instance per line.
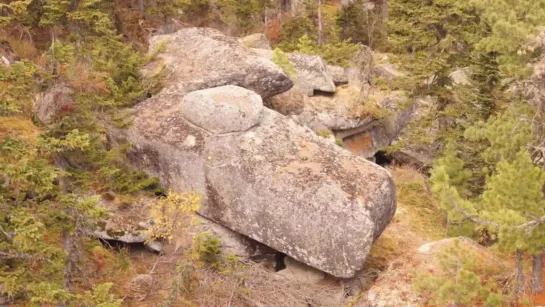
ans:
x=223 y=109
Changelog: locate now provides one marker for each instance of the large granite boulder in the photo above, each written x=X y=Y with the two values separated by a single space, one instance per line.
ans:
x=264 y=176
x=312 y=73
x=198 y=58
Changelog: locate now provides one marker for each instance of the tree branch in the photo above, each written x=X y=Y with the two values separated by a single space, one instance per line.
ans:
x=528 y=226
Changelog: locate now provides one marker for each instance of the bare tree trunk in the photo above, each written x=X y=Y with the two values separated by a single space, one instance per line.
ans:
x=519 y=277
x=384 y=9
x=320 y=22
x=537 y=263
x=142 y=7
x=67 y=237
x=537 y=273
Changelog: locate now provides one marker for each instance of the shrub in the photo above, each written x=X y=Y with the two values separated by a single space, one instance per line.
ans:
x=281 y=59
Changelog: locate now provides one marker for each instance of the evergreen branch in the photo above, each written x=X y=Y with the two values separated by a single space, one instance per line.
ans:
x=528 y=226
x=470 y=216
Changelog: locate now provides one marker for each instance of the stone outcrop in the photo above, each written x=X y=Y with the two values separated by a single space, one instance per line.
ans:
x=49 y=103
x=263 y=175
x=312 y=73
x=199 y=58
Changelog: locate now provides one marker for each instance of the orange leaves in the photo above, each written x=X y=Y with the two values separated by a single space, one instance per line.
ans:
x=82 y=79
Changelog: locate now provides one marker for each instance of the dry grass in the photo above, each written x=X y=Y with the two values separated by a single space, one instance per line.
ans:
x=417 y=220
x=21 y=47
x=416 y=206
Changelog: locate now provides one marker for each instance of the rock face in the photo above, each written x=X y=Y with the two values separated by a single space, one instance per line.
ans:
x=199 y=58
x=312 y=72
x=338 y=75
x=273 y=181
x=128 y=223
x=48 y=104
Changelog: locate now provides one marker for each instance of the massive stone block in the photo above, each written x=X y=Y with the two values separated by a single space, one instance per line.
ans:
x=263 y=175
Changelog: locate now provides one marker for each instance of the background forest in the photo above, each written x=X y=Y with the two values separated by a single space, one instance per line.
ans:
x=486 y=135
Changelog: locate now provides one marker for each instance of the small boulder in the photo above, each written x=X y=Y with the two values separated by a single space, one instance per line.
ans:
x=256 y=40
x=338 y=74
x=222 y=109
x=141 y=286
x=300 y=272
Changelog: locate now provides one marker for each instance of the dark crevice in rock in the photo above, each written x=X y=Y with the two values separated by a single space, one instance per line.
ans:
x=322 y=93
x=382 y=158
x=136 y=248
x=279 y=264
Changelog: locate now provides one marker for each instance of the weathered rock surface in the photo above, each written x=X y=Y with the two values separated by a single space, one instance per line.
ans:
x=337 y=112
x=129 y=223
x=364 y=127
x=338 y=74
x=257 y=40
x=300 y=272
x=395 y=288
x=312 y=72
x=199 y=58
x=48 y=104
x=141 y=286
x=275 y=182
x=366 y=65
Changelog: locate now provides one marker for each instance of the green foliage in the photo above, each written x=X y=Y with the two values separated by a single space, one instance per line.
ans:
x=16 y=87
x=172 y=8
x=282 y=60
x=337 y=53
x=458 y=281
x=359 y=24
x=208 y=249
x=512 y=24
x=431 y=41
x=298 y=34
x=514 y=196
x=246 y=13
x=14 y=12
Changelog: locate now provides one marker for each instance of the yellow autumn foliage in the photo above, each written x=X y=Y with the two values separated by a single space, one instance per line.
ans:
x=173 y=212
